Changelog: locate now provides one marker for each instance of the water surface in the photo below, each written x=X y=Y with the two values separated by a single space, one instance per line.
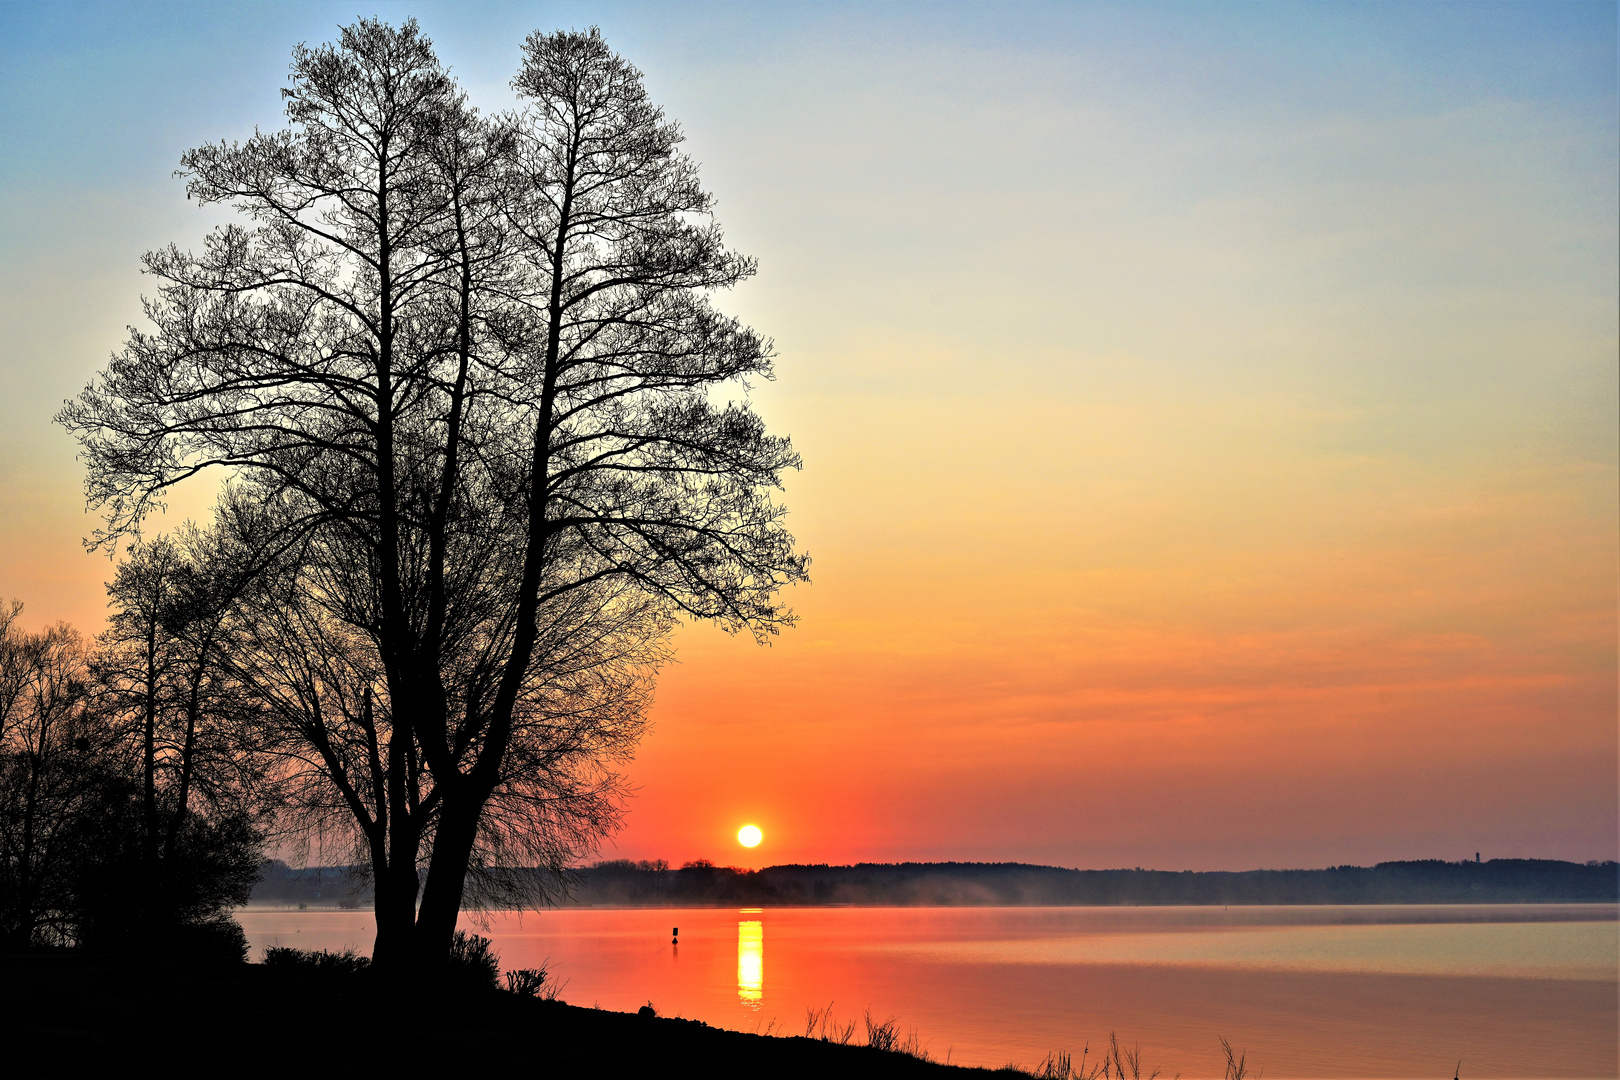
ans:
x=1341 y=992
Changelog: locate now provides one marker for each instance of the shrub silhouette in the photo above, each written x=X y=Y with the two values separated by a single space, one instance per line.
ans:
x=526 y=982
x=473 y=963
x=218 y=940
x=347 y=962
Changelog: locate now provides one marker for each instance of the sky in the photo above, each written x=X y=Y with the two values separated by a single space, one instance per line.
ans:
x=1210 y=413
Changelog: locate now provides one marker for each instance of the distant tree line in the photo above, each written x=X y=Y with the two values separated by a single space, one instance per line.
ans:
x=701 y=883
x=302 y=886
x=1417 y=882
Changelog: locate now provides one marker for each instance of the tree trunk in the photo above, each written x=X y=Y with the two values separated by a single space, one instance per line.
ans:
x=182 y=799
x=149 y=884
x=395 y=907
x=22 y=935
x=447 y=875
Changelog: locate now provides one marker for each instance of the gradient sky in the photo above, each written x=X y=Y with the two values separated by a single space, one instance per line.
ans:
x=1209 y=412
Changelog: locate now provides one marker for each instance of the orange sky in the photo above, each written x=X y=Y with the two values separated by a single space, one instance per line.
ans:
x=1209 y=420
x=1392 y=695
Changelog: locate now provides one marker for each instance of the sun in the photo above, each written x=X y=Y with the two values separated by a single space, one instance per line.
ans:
x=749 y=835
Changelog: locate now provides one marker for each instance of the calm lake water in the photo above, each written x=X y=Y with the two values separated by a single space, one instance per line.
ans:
x=1509 y=990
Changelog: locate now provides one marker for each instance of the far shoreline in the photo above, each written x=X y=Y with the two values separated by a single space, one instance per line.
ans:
x=1612 y=907
x=626 y=884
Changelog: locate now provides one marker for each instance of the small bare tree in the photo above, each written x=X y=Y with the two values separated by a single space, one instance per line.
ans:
x=76 y=843
x=162 y=675
x=52 y=789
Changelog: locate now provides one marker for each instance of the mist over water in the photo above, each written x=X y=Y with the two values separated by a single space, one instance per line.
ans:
x=1332 y=992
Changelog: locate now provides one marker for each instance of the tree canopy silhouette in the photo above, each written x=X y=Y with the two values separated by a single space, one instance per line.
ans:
x=54 y=789
x=465 y=378
x=116 y=835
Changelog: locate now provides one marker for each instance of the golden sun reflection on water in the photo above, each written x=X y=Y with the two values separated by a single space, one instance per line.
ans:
x=750 y=962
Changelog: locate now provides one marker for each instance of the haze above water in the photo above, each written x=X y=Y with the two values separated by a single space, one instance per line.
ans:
x=1510 y=990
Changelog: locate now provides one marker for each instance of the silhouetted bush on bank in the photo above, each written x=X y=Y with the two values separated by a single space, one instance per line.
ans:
x=474 y=966
x=216 y=940
x=473 y=962
x=182 y=910
x=527 y=982
x=321 y=961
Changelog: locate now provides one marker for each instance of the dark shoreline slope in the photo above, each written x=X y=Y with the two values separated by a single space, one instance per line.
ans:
x=1430 y=881
x=65 y=1014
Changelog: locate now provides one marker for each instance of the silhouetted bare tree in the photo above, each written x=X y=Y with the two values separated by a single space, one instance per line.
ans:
x=461 y=374
x=164 y=680
x=51 y=783
x=80 y=859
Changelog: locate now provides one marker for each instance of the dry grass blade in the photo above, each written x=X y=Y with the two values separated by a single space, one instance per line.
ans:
x=1116 y=1063
x=1056 y=1066
x=815 y=1019
x=526 y=982
x=1236 y=1064
x=882 y=1036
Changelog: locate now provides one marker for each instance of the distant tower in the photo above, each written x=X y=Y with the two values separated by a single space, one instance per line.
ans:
x=1476 y=856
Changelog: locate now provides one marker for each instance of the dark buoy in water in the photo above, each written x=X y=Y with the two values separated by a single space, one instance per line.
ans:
x=675 y=935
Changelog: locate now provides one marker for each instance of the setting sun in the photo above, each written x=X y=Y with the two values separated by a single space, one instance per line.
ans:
x=749 y=835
